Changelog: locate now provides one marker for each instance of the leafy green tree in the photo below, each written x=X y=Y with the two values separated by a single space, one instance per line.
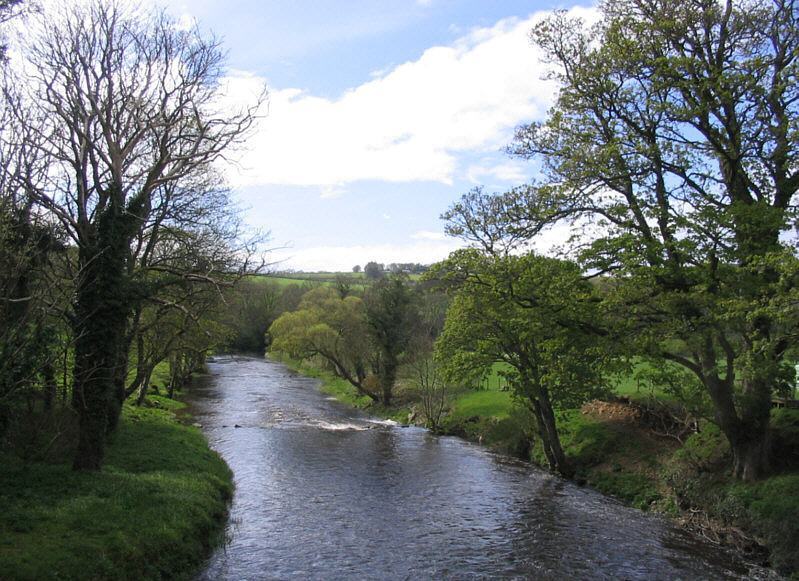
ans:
x=373 y=270
x=675 y=134
x=431 y=388
x=539 y=317
x=331 y=327
x=253 y=306
x=392 y=321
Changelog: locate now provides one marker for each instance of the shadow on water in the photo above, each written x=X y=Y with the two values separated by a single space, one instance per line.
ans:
x=324 y=492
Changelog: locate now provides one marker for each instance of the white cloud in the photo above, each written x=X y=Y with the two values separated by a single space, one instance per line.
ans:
x=343 y=258
x=510 y=171
x=427 y=247
x=331 y=191
x=428 y=235
x=409 y=124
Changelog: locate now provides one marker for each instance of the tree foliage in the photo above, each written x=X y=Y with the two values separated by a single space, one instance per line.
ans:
x=364 y=340
x=373 y=270
x=120 y=115
x=331 y=327
x=536 y=315
x=673 y=142
x=392 y=321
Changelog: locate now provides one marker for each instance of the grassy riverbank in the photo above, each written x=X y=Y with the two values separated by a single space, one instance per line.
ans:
x=617 y=453
x=152 y=512
x=344 y=392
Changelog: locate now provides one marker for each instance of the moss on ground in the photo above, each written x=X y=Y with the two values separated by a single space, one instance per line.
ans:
x=152 y=512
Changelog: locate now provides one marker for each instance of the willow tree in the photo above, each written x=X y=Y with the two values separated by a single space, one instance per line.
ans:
x=330 y=327
x=125 y=104
x=675 y=134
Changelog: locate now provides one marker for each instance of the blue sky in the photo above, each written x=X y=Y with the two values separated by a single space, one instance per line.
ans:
x=381 y=114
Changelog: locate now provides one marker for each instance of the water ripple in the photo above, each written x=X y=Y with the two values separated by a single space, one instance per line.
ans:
x=325 y=493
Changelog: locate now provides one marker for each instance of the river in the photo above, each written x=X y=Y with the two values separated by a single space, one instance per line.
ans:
x=324 y=492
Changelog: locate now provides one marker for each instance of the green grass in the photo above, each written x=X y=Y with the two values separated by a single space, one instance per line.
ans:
x=635 y=489
x=586 y=440
x=489 y=417
x=151 y=513
x=483 y=404
x=494 y=380
x=609 y=457
x=160 y=376
x=772 y=511
x=632 y=384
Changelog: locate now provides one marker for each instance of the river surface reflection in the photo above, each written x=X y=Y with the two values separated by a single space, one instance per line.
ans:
x=323 y=492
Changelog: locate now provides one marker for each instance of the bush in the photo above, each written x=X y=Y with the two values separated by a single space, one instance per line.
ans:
x=707 y=450
x=772 y=512
x=785 y=438
x=635 y=489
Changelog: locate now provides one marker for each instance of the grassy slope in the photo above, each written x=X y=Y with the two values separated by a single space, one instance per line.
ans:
x=617 y=456
x=151 y=513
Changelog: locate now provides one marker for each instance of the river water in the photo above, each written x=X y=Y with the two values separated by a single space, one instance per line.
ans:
x=323 y=492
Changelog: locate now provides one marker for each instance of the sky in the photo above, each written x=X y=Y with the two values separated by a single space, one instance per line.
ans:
x=381 y=114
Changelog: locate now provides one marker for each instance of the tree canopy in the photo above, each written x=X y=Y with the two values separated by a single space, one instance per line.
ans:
x=331 y=327
x=673 y=144
x=534 y=314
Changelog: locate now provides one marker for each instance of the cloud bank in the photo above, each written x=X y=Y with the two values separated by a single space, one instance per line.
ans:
x=408 y=124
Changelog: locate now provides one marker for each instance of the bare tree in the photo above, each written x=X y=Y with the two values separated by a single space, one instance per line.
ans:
x=126 y=106
x=28 y=244
x=434 y=392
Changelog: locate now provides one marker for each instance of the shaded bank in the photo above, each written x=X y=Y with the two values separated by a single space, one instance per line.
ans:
x=152 y=512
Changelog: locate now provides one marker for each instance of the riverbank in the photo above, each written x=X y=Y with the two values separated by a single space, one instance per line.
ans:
x=152 y=512
x=344 y=392
x=616 y=451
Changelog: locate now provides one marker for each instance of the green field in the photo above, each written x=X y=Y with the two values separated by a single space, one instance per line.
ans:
x=310 y=280
x=355 y=279
x=152 y=512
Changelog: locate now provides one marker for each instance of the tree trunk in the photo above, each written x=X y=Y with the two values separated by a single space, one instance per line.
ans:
x=750 y=455
x=101 y=311
x=175 y=373
x=388 y=375
x=548 y=432
x=747 y=432
x=92 y=385
x=118 y=396
x=145 y=384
